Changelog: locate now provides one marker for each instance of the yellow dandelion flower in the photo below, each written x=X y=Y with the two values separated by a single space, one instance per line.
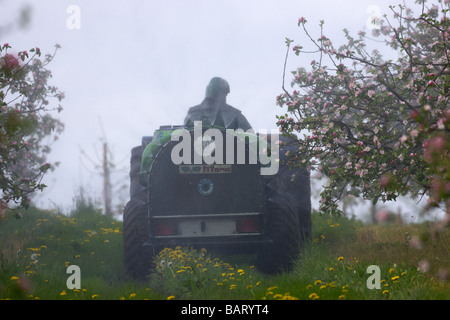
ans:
x=340 y=258
x=94 y=296
x=395 y=278
x=132 y=295
x=313 y=296
x=170 y=297
x=385 y=292
x=63 y=293
x=14 y=278
x=331 y=269
x=318 y=282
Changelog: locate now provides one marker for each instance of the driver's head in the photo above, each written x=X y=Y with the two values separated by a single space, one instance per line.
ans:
x=217 y=88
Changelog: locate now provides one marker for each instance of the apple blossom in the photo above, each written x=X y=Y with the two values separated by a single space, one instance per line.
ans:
x=25 y=124
x=356 y=109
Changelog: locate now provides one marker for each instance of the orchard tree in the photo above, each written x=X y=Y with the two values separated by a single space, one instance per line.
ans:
x=26 y=125
x=376 y=127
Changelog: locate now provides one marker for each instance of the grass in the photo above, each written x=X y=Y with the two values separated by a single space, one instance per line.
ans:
x=36 y=250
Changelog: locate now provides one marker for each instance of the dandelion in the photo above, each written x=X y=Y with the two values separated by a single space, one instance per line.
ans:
x=317 y=282
x=14 y=278
x=132 y=295
x=170 y=297
x=395 y=278
x=340 y=258
x=313 y=296
x=94 y=296
x=63 y=293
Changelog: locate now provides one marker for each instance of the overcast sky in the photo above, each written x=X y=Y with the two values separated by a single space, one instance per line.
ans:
x=135 y=65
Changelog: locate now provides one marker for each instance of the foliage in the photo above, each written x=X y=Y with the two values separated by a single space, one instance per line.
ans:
x=377 y=128
x=25 y=124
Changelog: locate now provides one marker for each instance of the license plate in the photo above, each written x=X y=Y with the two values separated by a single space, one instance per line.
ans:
x=207 y=227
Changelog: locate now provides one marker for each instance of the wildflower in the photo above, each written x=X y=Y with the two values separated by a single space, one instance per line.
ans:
x=170 y=297
x=318 y=282
x=424 y=266
x=340 y=258
x=14 y=278
x=63 y=293
x=94 y=296
x=313 y=296
x=395 y=278
x=132 y=295
x=385 y=292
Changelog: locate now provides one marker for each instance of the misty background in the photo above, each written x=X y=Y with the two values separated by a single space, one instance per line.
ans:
x=127 y=67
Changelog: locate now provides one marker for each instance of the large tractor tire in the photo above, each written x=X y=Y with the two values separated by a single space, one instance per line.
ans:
x=138 y=258
x=296 y=182
x=136 y=188
x=283 y=229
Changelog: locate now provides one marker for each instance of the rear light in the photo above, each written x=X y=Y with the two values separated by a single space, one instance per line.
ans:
x=165 y=228
x=248 y=225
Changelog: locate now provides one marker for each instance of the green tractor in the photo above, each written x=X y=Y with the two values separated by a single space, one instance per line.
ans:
x=190 y=187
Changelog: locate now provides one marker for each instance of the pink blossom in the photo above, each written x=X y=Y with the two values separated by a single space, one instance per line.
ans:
x=10 y=62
